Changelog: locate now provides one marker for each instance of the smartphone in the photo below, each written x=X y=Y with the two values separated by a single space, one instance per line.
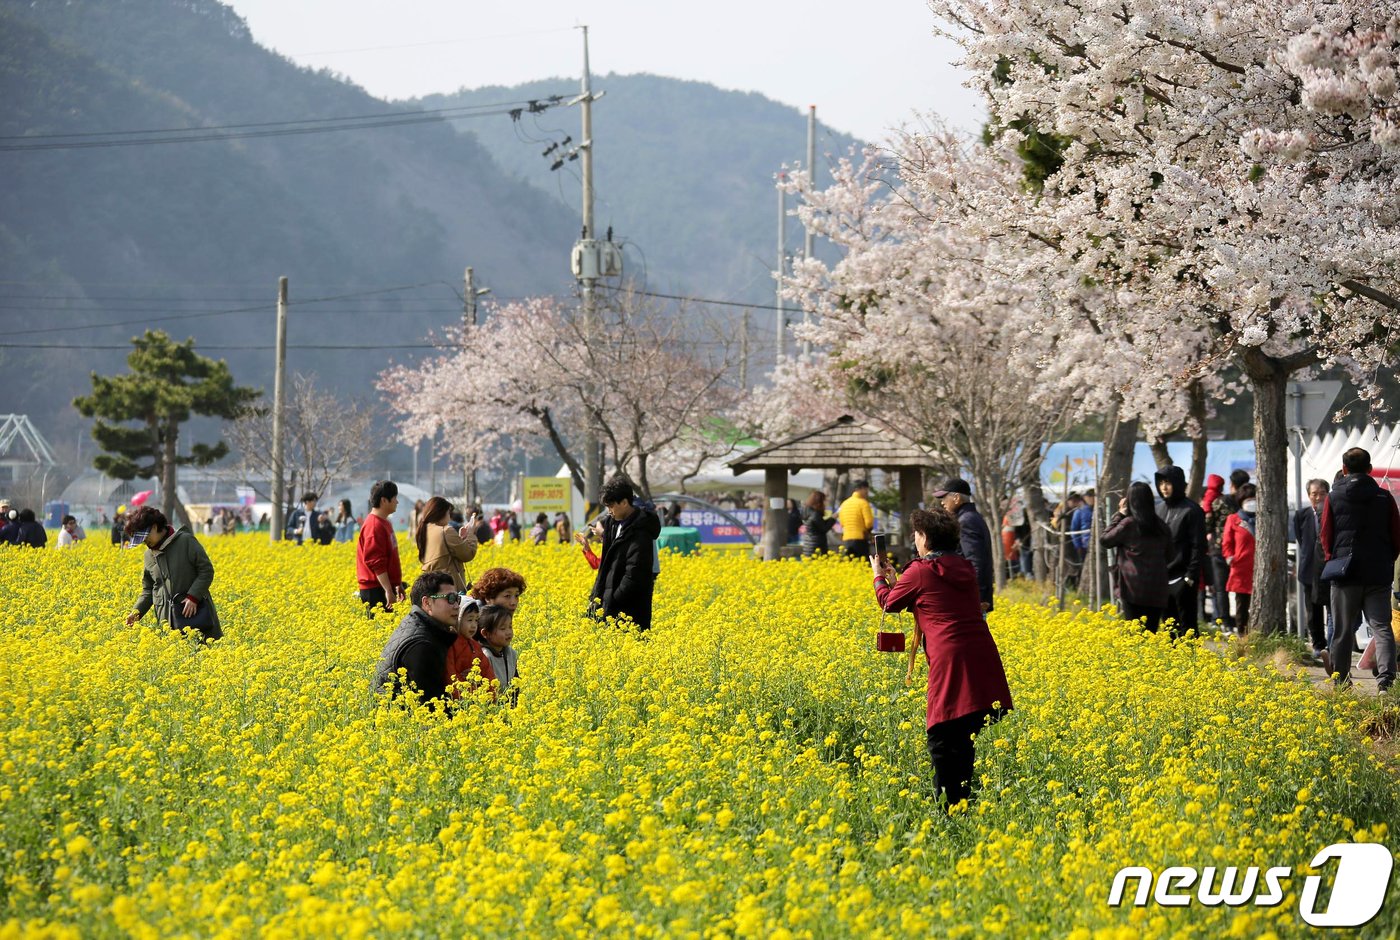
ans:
x=882 y=549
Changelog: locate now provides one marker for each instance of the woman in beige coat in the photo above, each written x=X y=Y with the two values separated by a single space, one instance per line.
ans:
x=441 y=547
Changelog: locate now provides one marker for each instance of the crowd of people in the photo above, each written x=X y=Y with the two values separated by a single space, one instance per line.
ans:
x=457 y=633
x=1174 y=560
x=22 y=527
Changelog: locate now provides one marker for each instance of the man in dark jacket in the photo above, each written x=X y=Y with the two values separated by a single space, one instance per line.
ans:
x=1307 y=529
x=305 y=524
x=28 y=530
x=419 y=644
x=1187 y=522
x=1361 y=533
x=974 y=537
x=626 y=575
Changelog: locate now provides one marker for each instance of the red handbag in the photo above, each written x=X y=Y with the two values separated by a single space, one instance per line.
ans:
x=888 y=641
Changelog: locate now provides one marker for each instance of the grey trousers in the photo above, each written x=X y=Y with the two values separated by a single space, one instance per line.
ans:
x=1349 y=602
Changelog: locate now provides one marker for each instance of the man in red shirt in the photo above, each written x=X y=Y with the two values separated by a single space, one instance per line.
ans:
x=377 y=551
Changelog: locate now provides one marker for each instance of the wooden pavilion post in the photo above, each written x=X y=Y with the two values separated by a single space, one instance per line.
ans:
x=775 y=517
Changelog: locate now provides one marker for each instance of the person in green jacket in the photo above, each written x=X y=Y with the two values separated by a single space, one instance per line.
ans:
x=175 y=571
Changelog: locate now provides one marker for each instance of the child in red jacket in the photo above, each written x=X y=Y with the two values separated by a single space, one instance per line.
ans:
x=468 y=666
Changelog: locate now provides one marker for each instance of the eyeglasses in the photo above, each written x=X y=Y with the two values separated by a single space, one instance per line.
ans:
x=454 y=599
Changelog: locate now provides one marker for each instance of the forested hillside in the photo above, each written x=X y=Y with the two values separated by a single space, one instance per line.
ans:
x=684 y=170
x=173 y=235
x=111 y=234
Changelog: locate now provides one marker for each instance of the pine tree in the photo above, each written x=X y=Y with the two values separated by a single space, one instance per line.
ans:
x=168 y=384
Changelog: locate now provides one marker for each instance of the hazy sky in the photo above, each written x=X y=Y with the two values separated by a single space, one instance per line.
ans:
x=867 y=67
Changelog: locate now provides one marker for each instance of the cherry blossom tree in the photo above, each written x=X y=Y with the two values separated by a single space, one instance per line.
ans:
x=654 y=383
x=923 y=331
x=324 y=440
x=1231 y=166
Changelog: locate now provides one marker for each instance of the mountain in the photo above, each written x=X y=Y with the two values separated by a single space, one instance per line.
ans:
x=111 y=234
x=683 y=171
x=99 y=241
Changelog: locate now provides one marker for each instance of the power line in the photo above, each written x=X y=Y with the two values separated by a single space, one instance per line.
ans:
x=227 y=348
x=708 y=300
x=94 y=298
x=211 y=313
x=257 y=124
x=184 y=135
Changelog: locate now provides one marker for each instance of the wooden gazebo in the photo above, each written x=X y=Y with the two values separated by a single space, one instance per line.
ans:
x=841 y=445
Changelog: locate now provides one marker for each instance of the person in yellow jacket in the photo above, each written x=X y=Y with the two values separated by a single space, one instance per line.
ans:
x=857 y=520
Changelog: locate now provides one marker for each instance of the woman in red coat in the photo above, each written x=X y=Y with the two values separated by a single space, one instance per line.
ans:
x=967 y=687
x=1237 y=545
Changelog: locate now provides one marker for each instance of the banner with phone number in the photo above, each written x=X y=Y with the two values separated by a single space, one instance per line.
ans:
x=716 y=529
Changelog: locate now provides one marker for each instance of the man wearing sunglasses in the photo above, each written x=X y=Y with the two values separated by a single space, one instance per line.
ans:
x=419 y=645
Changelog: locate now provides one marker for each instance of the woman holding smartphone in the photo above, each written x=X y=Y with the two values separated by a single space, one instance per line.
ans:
x=967 y=688
x=443 y=546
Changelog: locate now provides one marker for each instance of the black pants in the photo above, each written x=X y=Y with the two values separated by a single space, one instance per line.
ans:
x=1219 y=574
x=1241 y=612
x=638 y=609
x=1315 y=602
x=374 y=597
x=950 y=746
x=857 y=548
x=1181 y=607
x=1153 y=615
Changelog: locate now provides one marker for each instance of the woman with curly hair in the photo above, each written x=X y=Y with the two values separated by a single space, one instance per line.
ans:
x=499 y=586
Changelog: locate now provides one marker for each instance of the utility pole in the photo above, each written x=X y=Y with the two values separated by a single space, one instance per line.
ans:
x=587 y=270
x=807 y=237
x=279 y=404
x=744 y=353
x=469 y=320
x=778 y=336
x=468 y=299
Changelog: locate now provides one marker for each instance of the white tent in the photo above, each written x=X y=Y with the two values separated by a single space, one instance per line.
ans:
x=1322 y=455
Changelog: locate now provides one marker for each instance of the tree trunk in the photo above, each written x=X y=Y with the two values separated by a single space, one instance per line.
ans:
x=994 y=510
x=1196 y=483
x=1159 y=453
x=1268 y=606
x=643 y=484
x=1119 y=441
x=169 y=450
x=546 y=420
x=1035 y=507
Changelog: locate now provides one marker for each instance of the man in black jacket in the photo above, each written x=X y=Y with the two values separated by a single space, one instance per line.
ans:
x=1361 y=536
x=1307 y=529
x=419 y=644
x=1187 y=522
x=974 y=538
x=626 y=576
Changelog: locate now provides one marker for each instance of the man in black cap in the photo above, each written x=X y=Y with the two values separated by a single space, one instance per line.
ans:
x=974 y=537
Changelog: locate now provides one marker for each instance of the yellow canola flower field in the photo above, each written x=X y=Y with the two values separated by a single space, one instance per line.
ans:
x=751 y=768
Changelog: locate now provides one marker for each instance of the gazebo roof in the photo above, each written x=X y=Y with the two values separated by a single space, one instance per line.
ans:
x=839 y=445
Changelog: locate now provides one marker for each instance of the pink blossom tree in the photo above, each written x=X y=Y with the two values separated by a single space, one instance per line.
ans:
x=655 y=385
x=1231 y=166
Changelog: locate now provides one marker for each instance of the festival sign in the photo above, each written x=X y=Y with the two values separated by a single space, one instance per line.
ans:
x=547 y=495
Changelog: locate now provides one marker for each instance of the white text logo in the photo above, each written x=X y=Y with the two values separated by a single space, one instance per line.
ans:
x=1358 y=887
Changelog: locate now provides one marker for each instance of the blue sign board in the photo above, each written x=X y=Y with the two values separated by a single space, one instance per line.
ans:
x=717 y=529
